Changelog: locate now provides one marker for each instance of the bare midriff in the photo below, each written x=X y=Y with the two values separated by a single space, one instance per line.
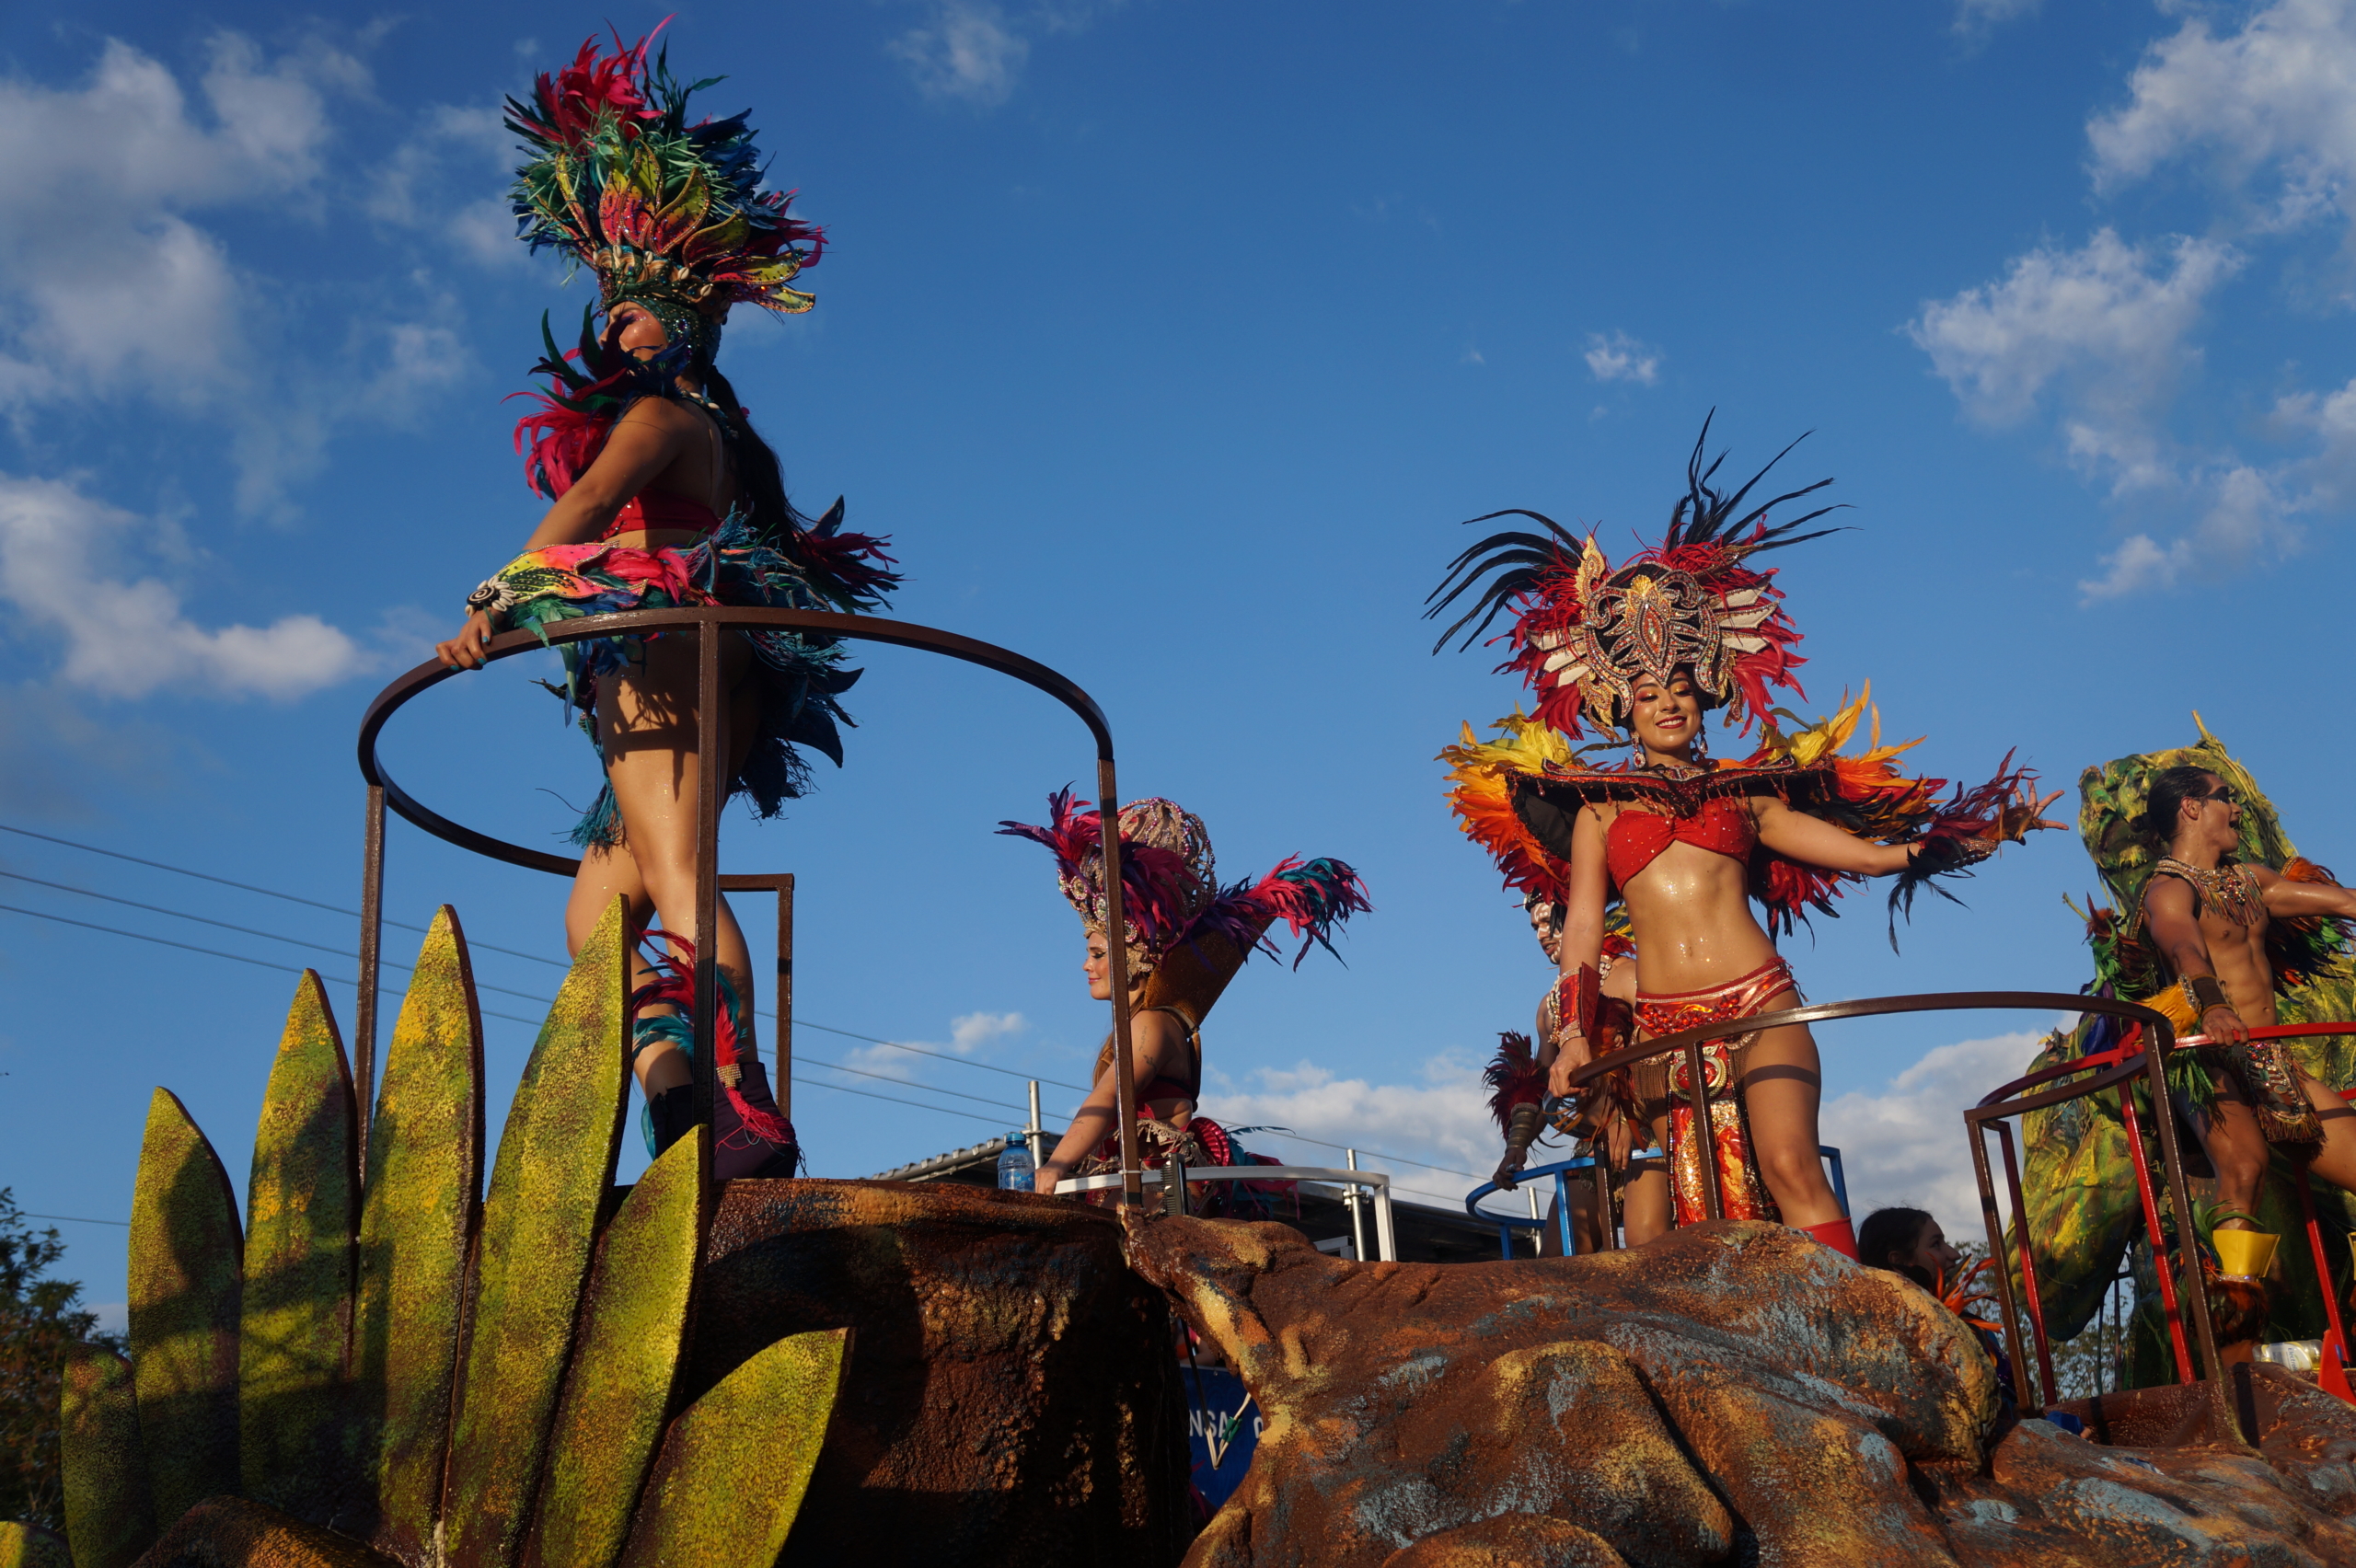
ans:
x=1691 y=910
x=657 y=539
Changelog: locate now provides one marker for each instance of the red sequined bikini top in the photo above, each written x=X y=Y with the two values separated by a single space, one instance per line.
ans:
x=1636 y=838
x=660 y=509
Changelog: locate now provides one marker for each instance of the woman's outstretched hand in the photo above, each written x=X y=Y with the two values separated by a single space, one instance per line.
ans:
x=470 y=649
x=2016 y=823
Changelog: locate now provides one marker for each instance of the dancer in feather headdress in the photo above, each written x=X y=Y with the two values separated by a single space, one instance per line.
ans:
x=1185 y=938
x=2229 y=927
x=664 y=496
x=1691 y=625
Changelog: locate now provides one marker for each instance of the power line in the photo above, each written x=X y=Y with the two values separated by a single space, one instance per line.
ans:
x=870 y=1094
x=75 y=1219
x=801 y=1022
x=243 y=930
x=233 y=957
x=1398 y=1159
x=265 y=892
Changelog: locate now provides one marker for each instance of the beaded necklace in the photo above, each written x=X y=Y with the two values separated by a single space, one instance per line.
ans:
x=2230 y=889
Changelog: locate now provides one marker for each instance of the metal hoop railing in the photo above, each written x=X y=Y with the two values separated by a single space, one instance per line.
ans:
x=704 y=623
x=1560 y=1170
x=2118 y=1068
x=1690 y=1042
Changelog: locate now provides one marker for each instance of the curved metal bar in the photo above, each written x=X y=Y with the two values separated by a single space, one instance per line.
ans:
x=704 y=622
x=826 y=623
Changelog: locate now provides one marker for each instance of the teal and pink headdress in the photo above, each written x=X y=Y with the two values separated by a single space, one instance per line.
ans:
x=667 y=214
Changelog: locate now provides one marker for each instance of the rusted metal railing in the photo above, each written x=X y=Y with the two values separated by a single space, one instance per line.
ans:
x=2112 y=1069
x=705 y=624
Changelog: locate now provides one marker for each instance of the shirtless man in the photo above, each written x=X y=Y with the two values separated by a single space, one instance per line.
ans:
x=2206 y=915
x=1644 y=1198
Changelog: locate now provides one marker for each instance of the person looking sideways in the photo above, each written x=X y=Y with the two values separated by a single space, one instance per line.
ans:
x=2208 y=919
x=663 y=496
x=1908 y=1242
x=1685 y=843
x=1185 y=938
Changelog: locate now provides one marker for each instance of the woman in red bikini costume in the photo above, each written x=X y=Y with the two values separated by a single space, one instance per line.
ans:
x=664 y=496
x=1185 y=938
x=1687 y=843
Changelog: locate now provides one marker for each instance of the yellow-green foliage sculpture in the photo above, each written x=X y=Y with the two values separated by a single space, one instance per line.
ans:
x=2078 y=1183
x=388 y=1371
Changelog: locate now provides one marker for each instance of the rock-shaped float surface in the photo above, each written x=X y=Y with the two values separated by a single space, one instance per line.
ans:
x=1732 y=1388
x=1011 y=1392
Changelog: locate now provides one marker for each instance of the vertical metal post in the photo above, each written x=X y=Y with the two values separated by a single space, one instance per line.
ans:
x=783 y=1085
x=1714 y=1201
x=1037 y=1135
x=1116 y=970
x=710 y=790
x=2180 y=1196
x=372 y=939
x=2022 y=1394
x=1358 y=1211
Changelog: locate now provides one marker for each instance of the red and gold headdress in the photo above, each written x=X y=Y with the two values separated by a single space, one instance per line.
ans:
x=1584 y=634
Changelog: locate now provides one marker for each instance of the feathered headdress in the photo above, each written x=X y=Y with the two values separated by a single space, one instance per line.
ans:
x=663 y=212
x=1585 y=634
x=1190 y=933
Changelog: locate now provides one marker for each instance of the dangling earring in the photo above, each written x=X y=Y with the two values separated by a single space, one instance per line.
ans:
x=1702 y=744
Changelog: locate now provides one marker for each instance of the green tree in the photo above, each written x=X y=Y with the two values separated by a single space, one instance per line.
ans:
x=38 y=1318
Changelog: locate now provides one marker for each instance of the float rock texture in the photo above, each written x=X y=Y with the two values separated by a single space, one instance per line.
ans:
x=1011 y=1392
x=1732 y=1389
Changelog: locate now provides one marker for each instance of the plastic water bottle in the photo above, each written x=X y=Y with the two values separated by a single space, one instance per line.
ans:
x=1015 y=1170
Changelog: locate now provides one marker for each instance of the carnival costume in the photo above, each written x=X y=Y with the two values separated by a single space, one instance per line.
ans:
x=670 y=216
x=1584 y=634
x=2128 y=965
x=1188 y=936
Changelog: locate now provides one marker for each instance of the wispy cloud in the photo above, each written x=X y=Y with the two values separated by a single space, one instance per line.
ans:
x=1975 y=20
x=127 y=636
x=1616 y=356
x=975 y=1029
x=972 y=52
x=1444 y=1119
x=965 y=50
x=1905 y=1144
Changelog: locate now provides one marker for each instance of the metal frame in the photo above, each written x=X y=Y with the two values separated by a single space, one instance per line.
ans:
x=1560 y=1170
x=1376 y=1182
x=703 y=623
x=1991 y=1110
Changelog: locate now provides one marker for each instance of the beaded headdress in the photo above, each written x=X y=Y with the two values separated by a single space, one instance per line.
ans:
x=667 y=215
x=1585 y=635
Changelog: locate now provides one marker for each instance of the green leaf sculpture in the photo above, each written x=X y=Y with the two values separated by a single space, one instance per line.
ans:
x=187 y=1267
x=109 y=1509
x=556 y=1159
x=295 y=1323
x=405 y=1375
x=734 y=1467
x=618 y=1393
x=417 y=1234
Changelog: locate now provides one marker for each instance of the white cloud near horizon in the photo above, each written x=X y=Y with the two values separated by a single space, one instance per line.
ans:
x=1616 y=356
x=129 y=637
x=1901 y=1143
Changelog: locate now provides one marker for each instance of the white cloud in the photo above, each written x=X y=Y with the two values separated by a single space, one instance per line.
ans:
x=1976 y=18
x=2278 y=95
x=975 y=1029
x=1618 y=357
x=1445 y=1119
x=965 y=50
x=2108 y=320
x=424 y=185
x=1906 y=1143
x=130 y=636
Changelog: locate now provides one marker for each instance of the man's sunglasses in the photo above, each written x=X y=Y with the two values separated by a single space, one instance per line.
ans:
x=2224 y=792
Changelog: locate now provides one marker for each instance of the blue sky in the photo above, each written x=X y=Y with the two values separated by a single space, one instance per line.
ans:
x=1170 y=341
